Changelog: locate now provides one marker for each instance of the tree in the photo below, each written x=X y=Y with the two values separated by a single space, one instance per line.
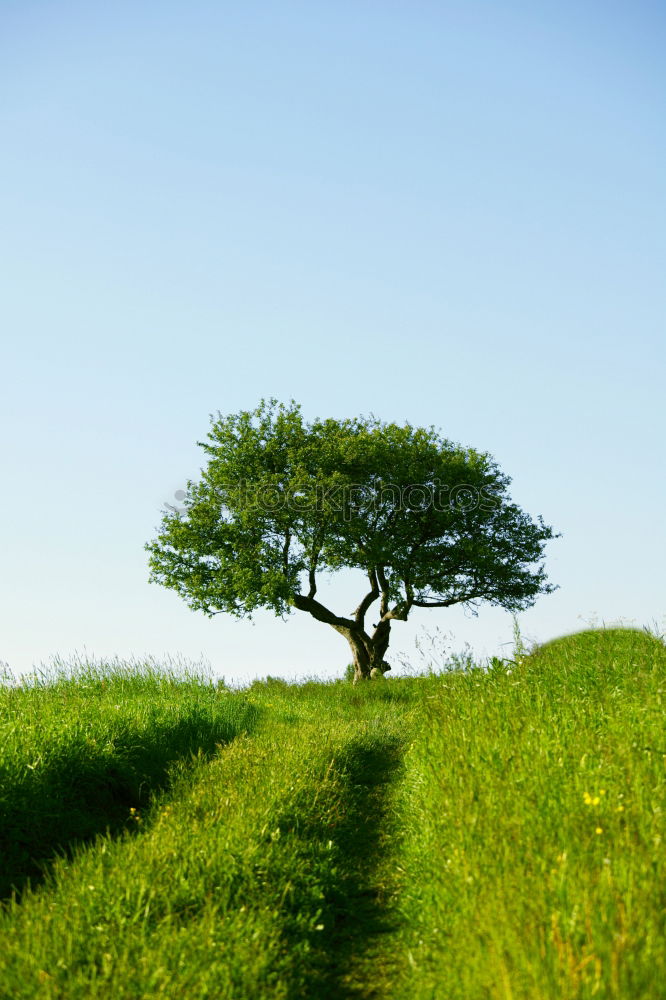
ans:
x=281 y=502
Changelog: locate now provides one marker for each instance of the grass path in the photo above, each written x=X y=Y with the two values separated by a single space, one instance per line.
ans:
x=250 y=876
x=352 y=828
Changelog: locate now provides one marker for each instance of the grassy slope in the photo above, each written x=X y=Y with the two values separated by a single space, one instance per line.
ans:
x=534 y=802
x=469 y=835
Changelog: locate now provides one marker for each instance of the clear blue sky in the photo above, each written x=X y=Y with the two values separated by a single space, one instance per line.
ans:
x=447 y=213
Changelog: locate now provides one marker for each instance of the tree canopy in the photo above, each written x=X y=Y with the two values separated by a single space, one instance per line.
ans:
x=282 y=502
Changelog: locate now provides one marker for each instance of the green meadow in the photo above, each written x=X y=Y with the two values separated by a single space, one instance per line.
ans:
x=488 y=832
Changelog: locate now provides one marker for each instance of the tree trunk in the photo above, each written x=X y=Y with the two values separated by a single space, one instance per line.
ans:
x=368 y=652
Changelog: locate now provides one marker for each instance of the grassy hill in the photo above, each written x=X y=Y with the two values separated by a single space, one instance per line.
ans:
x=481 y=834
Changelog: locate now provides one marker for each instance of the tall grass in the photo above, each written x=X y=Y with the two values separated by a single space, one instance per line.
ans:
x=82 y=750
x=475 y=833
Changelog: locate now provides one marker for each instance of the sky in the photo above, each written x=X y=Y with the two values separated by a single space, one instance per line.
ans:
x=451 y=214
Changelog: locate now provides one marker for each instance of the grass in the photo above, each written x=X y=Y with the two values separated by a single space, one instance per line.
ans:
x=468 y=834
x=81 y=749
x=533 y=799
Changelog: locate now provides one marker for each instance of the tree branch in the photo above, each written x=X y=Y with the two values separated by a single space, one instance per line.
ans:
x=314 y=559
x=322 y=613
x=409 y=590
x=399 y=612
x=285 y=551
x=369 y=599
x=447 y=603
x=384 y=584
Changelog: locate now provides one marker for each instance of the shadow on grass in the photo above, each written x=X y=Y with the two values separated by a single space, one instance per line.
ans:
x=86 y=791
x=353 y=913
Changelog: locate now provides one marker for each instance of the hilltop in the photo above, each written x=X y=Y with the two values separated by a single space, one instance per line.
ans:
x=490 y=832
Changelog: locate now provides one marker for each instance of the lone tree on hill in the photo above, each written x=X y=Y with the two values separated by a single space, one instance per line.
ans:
x=281 y=501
